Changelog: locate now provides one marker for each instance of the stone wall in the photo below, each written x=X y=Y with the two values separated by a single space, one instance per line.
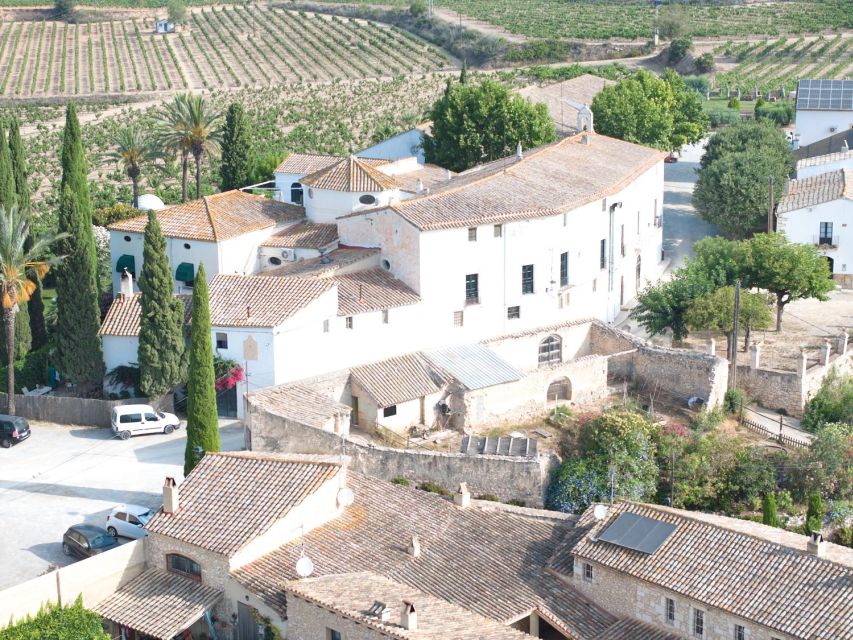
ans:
x=507 y=478
x=680 y=374
x=309 y=621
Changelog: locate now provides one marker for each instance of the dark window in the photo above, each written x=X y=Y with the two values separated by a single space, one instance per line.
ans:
x=499 y=230
x=825 y=233
x=129 y=418
x=639 y=271
x=564 y=269
x=602 y=259
x=587 y=572
x=622 y=242
x=472 y=289
x=550 y=350
x=121 y=516
x=332 y=634
x=699 y=623
x=151 y=417
x=221 y=340
x=127 y=238
x=275 y=261
x=349 y=322
x=186 y=245
x=670 y=611
x=740 y=632
x=184 y=566
x=458 y=318
x=386 y=265
x=387 y=412
x=472 y=234
x=353 y=418
x=296 y=193
x=527 y=278
x=132 y=519
x=513 y=313
x=367 y=199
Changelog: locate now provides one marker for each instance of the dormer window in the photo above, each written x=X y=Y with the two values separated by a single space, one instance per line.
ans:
x=296 y=193
x=367 y=199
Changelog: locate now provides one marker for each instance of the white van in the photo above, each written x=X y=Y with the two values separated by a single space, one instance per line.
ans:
x=133 y=419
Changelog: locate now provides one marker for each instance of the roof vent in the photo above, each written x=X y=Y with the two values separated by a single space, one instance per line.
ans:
x=462 y=497
x=447 y=174
x=419 y=186
x=380 y=611
x=126 y=283
x=816 y=546
x=171 y=501
x=414 y=548
x=408 y=616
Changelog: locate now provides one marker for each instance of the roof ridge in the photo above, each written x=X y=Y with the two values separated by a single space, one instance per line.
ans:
x=210 y=218
x=284 y=457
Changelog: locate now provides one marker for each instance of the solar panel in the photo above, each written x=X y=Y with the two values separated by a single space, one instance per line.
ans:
x=834 y=95
x=637 y=533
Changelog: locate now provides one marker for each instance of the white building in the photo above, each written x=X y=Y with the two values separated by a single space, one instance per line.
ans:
x=815 y=165
x=824 y=108
x=818 y=210
x=387 y=258
x=164 y=26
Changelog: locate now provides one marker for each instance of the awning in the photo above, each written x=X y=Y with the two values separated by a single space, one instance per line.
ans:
x=185 y=272
x=126 y=262
x=159 y=604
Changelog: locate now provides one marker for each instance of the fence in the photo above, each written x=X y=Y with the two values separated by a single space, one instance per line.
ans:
x=753 y=421
x=66 y=410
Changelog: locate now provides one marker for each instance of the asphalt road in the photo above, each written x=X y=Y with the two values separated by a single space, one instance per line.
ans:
x=64 y=475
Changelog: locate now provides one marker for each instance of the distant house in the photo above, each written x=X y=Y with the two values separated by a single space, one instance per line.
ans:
x=164 y=26
x=824 y=108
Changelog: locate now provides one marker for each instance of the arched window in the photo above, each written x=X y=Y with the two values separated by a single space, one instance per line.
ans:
x=639 y=271
x=559 y=389
x=550 y=351
x=184 y=566
x=296 y=193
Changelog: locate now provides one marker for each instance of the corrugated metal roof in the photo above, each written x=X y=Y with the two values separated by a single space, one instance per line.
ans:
x=475 y=366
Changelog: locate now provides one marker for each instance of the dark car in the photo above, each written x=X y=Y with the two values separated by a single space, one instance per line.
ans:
x=13 y=429
x=86 y=540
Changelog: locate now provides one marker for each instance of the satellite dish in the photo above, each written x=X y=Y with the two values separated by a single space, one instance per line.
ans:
x=304 y=567
x=600 y=511
x=345 y=497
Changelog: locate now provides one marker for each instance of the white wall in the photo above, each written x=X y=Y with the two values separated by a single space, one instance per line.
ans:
x=282 y=185
x=817 y=125
x=402 y=145
x=325 y=205
x=803 y=226
x=119 y=351
x=813 y=170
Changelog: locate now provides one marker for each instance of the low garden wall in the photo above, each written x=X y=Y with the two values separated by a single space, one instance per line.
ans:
x=66 y=410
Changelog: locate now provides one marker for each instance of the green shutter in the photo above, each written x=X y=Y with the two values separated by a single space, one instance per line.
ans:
x=185 y=272
x=126 y=262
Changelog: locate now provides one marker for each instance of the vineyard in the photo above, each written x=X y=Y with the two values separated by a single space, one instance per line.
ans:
x=634 y=18
x=221 y=47
x=773 y=65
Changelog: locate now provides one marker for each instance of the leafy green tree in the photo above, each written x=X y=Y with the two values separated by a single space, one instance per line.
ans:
x=19 y=268
x=77 y=294
x=716 y=311
x=749 y=135
x=477 y=123
x=19 y=166
x=673 y=21
x=789 y=270
x=176 y=11
x=814 y=513
x=678 y=48
x=418 y=8
x=768 y=510
x=57 y=622
x=64 y=9
x=663 y=306
x=705 y=63
x=162 y=364
x=576 y=484
x=202 y=419
x=833 y=402
x=8 y=195
x=829 y=460
x=131 y=149
x=658 y=112
x=234 y=167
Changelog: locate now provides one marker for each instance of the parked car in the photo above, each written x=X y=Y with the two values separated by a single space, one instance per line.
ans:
x=86 y=540
x=128 y=520
x=13 y=429
x=133 y=419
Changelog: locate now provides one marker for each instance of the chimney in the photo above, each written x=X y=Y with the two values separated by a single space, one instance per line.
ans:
x=816 y=546
x=419 y=186
x=447 y=175
x=360 y=298
x=126 y=287
x=170 y=496
x=844 y=146
x=414 y=548
x=408 y=616
x=462 y=497
x=519 y=153
x=585 y=139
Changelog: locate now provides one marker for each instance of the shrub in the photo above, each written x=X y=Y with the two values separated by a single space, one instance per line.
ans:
x=72 y=622
x=705 y=63
x=768 y=510
x=489 y=497
x=678 y=48
x=699 y=84
x=734 y=400
x=843 y=536
x=576 y=484
x=814 y=514
x=30 y=371
x=116 y=213
x=784 y=501
x=782 y=113
x=515 y=502
x=707 y=420
x=432 y=487
x=403 y=482
x=418 y=8
x=832 y=403
x=734 y=103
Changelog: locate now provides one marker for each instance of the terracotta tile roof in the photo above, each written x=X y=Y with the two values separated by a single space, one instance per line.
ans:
x=546 y=181
x=307 y=235
x=489 y=562
x=630 y=629
x=371 y=290
x=396 y=380
x=814 y=190
x=122 y=317
x=816 y=161
x=230 y=499
x=351 y=175
x=342 y=258
x=430 y=175
x=749 y=570
x=216 y=218
x=260 y=301
x=581 y=89
x=158 y=603
x=300 y=403
x=305 y=163
x=351 y=595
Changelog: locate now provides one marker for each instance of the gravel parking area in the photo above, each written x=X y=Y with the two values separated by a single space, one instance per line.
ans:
x=64 y=475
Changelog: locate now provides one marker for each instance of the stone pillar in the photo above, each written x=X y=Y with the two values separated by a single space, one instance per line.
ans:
x=534 y=624
x=755 y=355
x=842 y=343
x=824 y=353
x=712 y=347
x=804 y=362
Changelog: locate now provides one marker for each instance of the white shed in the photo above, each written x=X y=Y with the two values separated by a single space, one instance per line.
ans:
x=164 y=26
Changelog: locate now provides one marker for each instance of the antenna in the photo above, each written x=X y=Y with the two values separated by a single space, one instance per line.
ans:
x=304 y=566
x=600 y=511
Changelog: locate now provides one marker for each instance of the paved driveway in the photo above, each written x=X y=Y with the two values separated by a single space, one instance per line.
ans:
x=63 y=475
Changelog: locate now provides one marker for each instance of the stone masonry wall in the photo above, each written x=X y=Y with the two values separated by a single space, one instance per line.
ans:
x=681 y=374
x=307 y=621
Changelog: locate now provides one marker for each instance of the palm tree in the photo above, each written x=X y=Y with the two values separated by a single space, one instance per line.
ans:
x=20 y=267
x=205 y=133
x=132 y=149
x=173 y=135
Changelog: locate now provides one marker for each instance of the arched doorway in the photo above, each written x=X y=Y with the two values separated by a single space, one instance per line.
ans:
x=559 y=389
x=296 y=193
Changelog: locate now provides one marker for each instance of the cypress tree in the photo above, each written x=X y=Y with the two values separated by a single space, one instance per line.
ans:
x=74 y=171
x=162 y=364
x=768 y=510
x=23 y=321
x=19 y=166
x=234 y=170
x=7 y=176
x=814 y=513
x=202 y=419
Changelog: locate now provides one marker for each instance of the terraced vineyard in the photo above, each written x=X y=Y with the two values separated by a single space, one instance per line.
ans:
x=775 y=64
x=220 y=47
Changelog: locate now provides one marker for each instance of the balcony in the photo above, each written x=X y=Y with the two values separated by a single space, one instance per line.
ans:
x=825 y=242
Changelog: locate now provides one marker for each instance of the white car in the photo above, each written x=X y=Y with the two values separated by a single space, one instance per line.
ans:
x=128 y=520
x=133 y=419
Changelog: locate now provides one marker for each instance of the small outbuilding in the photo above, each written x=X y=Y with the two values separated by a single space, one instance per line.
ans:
x=165 y=26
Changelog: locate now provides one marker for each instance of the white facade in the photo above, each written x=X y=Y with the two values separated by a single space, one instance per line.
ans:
x=809 y=226
x=823 y=164
x=814 y=125
x=324 y=206
x=403 y=145
x=118 y=351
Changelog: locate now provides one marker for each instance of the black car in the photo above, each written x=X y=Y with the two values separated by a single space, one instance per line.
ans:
x=13 y=429
x=85 y=540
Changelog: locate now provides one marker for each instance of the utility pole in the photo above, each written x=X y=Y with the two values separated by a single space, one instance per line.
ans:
x=770 y=207
x=672 y=480
x=733 y=340
x=429 y=8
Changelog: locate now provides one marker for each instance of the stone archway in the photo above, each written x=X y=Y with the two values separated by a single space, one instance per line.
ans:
x=559 y=389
